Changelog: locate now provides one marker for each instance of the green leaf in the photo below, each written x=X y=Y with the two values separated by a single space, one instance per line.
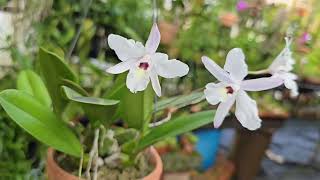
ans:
x=97 y=109
x=135 y=108
x=75 y=87
x=116 y=92
x=180 y=101
x=39 y=121
x=54 y=70
x=118 y=88
x=53 y=48
x=31 y=83
x=175 y=127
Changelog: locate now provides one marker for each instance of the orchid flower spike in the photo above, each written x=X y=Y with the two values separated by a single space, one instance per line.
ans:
x=282 y=66
x=143 y=62
x=232 y=89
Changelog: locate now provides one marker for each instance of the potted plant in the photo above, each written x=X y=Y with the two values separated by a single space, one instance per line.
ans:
x=89 y=137
x=179 y=156
x=111 y=137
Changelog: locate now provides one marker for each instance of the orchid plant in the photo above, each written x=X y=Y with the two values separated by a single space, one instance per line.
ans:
x=42 y=101
x=51 y=105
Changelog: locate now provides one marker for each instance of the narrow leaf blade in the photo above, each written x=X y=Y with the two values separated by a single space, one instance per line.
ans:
x=180 y=101
x=134 y=108
x=97 y=109
x=54 y=70
x=175 y=127
x=31 y=83
x=137 y=108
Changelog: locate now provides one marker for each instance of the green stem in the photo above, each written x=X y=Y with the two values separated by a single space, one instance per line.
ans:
x=75 y=40
x=81 y=164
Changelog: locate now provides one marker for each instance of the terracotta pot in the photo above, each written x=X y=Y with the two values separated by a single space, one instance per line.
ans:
x=163 y=149
x=168 y=32
x=229 y=19
x=55 y=172
x=157 y=172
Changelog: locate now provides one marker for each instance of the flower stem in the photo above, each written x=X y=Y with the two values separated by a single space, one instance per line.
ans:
x=154 y=124
x=75 y=40
x=80 y=167
x=155 y=11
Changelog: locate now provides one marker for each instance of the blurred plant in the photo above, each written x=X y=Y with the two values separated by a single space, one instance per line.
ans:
x=19 y=153
x=13 y=146
x=179 y=156
x=258 y=31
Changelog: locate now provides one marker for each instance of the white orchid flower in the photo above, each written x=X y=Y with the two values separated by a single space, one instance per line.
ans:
x=143 y=62
x=282 y=66
x=232 y=89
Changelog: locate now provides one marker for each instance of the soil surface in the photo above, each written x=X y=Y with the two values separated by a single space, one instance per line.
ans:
x=142 y=168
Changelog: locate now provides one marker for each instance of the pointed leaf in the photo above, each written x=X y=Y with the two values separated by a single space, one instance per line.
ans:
x=75 y=87
x=134 y=108
x=31 y=83
x=116 y=92
x=175 y=127
x=97 y=109
x=180 y=101
x=137 y=108
x=54 y=70
x=39 y=121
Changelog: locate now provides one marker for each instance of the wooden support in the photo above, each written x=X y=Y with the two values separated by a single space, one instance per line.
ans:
x=249 y=149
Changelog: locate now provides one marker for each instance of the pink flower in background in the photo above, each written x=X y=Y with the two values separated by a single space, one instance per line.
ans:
x=232 y=89
x=305 y=38
x=242 y=5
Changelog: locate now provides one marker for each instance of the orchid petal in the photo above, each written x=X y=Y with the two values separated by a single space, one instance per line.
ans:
x=216 y=70
x=119 y=68
x=169 y=68
x=236 y=65
x=215 y=93
x=222 y=111
x=137 y=80
x=290 y=83
x=284 y=61
x=155 y=83
x=288 y=75
x=247 y=111
x=124 y=48
x=153 y=39
x=261 y=84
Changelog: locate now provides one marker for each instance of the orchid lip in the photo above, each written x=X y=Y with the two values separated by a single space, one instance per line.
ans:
x=229 y=90
x=144 y=65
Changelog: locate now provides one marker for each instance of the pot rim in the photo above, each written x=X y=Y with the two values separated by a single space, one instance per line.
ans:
x=53 y=165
